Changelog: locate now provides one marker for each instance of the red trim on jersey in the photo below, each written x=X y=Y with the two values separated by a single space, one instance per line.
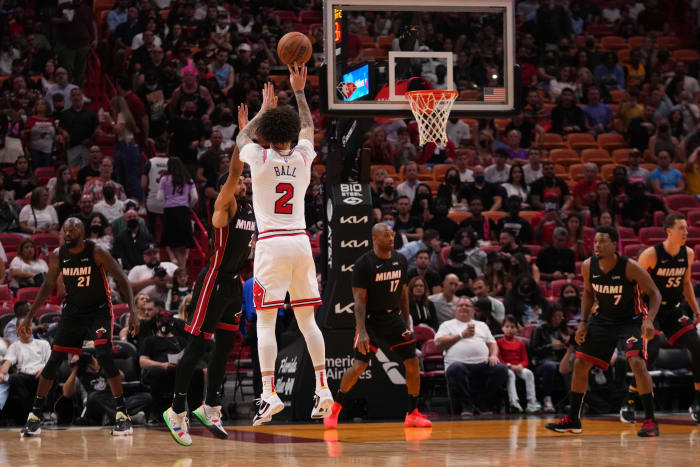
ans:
x=632 y=353
x=305 y=300
x=227 y=327
x=220 y=242
x=678 y=334
x=596 y=361
x=61 y=348
x=264 y=155
x=109 y=302
x=282 y=235
x=403 y=343
x=281 y=230
x=100 y=342
x=208 y=335
x=639 y=307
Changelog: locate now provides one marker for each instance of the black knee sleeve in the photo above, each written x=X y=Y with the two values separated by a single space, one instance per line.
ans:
x=185 y=368
x=217 y=366
x=103 y=353
x=51 y=367
x=691 y=341
x=225 y=341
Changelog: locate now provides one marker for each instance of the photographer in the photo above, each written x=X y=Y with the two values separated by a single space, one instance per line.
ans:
x=148 y=277
x=100 y=403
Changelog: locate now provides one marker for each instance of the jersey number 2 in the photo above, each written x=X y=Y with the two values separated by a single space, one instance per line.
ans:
x=282 y=205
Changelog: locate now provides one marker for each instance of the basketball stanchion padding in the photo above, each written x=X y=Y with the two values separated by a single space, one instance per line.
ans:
x=431 y=108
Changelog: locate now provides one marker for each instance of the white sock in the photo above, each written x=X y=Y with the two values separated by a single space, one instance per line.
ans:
x=268 y=383
x=312 y=336
x=321 y=381
x=267 y=347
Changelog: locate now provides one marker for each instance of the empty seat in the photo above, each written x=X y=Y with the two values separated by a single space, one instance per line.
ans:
x=580 y=141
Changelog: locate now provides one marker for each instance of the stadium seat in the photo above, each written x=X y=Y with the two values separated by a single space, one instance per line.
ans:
x=286 y=15
x=459 y=216
x=375 y=53
x=633 y=250
x=668 y=42
x=534 y=250
x=491 y=248
x=6 y=294
x=553 y=141
x=580 y=141
x=606 y=172
x=679 y=202
x=10 y=241
x=635 y=42
x=612 y=43
x=52 y=241
x=576 y=172
x=495 y=215
x=47 y=309
x=44 y=174
x=659 y=217
x=27 y=293
x=565 y=157
x=386 y=42
x=440 y=170
x=696 y=250
x=695 y=270
x=528 y=215
x=597 y=156
x=527 y=330
x=621 y=156
x=389 y=169
x=310 y=16
x=422 y=169
x=694 y=217
x=686 y=55
x=422 y=333
x=611 y=141
x=651 y=235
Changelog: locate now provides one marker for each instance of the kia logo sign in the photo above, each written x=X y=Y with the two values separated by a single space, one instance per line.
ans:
x=349 y=308
x=344 y=268
x=354 y=219
x=354 y=244
x=352 y=201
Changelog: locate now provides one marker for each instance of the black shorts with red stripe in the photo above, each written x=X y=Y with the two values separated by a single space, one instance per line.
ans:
x=674 y=322
x=388 y=329
x=78 y=324
x=603 y=336
x=216 y=304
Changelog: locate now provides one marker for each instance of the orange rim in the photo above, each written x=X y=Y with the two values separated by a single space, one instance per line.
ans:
x=426 y=104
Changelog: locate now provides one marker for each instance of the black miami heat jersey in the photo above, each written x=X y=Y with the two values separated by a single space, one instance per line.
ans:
x=85 y=280
x=382 y=278
x=617 y=296
x=232 y=243
x=668 y=275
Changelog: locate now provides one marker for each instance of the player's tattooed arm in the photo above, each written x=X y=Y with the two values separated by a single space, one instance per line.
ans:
x=688 y=291
x=225 y=205
x=586 y=303
x=104 y=259
x=297 y=79
x=46 y=289
x=636 y=273
x=245 y=136
x=360 y=296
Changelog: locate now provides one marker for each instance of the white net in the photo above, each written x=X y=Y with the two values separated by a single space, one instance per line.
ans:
x=431 y=110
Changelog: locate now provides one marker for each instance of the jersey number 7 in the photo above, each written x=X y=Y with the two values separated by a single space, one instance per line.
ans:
x=282 y=205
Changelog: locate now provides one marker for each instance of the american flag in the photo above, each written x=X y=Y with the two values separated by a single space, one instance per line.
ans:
x=494 y=94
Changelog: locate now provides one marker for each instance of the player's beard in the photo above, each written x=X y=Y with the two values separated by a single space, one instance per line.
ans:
x=72 y=243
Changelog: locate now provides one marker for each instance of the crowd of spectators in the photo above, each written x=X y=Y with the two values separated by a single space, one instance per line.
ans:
x=488 y=234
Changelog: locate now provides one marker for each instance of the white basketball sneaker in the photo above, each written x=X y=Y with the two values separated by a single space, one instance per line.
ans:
x=268 y=405
x=323 y=401
x=210 y=417
x=178 y=425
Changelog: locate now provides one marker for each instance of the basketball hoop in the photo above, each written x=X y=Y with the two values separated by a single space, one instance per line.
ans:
x=431 y=109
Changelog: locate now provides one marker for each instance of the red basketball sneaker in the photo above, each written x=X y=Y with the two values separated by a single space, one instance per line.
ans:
x=331 y=421
x=417 y=419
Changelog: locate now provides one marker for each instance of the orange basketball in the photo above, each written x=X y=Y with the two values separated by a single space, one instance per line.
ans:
x=294 y=47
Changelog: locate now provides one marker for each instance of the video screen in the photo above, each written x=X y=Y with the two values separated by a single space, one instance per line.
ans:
x=359 y=77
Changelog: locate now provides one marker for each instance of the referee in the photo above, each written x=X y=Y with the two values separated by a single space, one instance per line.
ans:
x=382 y=315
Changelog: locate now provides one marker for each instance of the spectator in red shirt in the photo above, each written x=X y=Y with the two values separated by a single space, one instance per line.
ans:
x=513 y=354
x=585 y=189
x=138 y=110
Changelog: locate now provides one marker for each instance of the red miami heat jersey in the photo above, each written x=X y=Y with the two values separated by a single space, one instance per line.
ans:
x=280 y=180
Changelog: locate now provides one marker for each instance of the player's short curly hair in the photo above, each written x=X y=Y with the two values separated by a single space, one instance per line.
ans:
x=279 y=125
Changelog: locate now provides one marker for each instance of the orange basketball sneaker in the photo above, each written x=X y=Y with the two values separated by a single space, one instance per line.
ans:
x=331 y=421
x=417 y=419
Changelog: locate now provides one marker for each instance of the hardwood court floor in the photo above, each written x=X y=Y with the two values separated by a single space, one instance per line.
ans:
x=508 y=442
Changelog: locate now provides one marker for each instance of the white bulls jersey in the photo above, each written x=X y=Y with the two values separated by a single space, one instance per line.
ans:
x=155 y=168
x=280 y=180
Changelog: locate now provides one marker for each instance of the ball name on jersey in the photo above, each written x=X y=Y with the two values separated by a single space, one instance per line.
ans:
x=285 y=170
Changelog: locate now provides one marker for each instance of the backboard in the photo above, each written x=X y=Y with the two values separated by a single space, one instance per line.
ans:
x=376 y=50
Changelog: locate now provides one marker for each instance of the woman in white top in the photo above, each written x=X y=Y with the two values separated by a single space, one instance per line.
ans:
x=27 y=267
x=127 y=158
x=565 y=80
x=515 y=186
x=38 y=216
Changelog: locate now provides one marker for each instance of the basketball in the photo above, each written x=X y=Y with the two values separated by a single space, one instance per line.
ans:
x=294 y=47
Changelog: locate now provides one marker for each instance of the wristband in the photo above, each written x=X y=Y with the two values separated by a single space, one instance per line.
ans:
x=300 y=91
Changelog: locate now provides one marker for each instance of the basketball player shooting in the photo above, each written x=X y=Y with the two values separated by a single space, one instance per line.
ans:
x=218 y=295
x=613 y=280
x=382 y=315
x=283 y=260
x=87 y=314
x=668 y=263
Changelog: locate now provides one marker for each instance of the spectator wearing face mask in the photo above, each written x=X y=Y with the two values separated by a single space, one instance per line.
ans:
x=525 y=301
x=638 y=210
x=437 y=219
x=457 y=265
x=110 y=206
x=130 y=244
x=70 y=207
x=148 y=277
x=99 y=231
